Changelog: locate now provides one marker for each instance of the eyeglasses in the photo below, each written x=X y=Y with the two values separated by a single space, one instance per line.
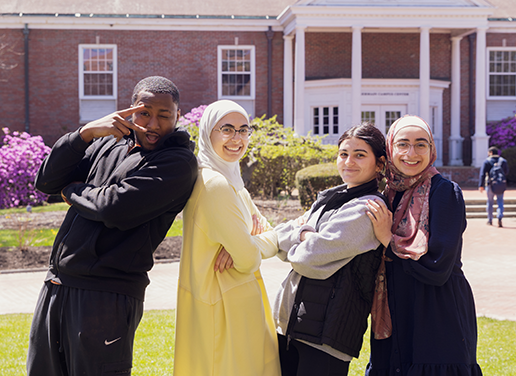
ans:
x=421 y=148
x=230 y=132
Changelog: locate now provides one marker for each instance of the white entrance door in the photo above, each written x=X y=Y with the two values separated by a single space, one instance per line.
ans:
x=383 y=115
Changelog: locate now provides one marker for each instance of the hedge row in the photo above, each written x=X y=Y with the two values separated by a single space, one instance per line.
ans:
x=314 y=179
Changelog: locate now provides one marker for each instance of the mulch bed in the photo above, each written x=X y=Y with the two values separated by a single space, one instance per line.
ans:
x=276 y=211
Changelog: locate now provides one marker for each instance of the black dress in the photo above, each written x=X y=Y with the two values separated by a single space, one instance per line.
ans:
x=434 y=325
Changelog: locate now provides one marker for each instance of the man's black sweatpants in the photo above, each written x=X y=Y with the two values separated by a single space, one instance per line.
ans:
x=82 y=332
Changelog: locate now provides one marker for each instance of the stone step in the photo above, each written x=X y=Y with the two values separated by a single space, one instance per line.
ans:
x=476 y=201
x=482 y=208
x=506 y=214
x=476 y=208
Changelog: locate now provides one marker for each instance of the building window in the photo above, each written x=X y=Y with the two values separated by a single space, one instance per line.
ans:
x=369 y=117
x=97 y=81
x=502 y=73
x=325 y=120
x=236 y=72
x=391 y=117
x=98 y=71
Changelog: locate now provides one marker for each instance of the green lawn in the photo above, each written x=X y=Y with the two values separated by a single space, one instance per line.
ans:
x=154 y=346
x=60 y=206
x=38 y=238
x=45 y=237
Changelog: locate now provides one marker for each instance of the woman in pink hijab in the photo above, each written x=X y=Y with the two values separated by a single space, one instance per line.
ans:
x=424 y=320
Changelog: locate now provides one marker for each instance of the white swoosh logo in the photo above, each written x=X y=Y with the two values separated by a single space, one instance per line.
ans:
x=107 y=343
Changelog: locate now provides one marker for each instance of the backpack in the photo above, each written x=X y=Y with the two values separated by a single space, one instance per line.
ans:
x=497 y=179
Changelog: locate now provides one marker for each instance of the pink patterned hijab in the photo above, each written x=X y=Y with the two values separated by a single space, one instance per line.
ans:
x=410 y=226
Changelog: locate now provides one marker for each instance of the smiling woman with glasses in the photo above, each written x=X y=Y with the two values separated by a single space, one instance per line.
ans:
x=423 y=315
x=224 y=324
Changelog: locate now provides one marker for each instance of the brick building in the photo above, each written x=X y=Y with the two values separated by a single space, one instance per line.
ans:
x=320 y=65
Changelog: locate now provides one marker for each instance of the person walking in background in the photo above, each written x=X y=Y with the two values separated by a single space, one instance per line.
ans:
x=423 y=320
x=125 y=182
x=322 y=307
x=493 y=177
x=224 y=323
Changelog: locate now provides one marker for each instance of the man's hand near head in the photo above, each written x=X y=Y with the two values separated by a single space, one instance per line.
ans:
x=112 y=125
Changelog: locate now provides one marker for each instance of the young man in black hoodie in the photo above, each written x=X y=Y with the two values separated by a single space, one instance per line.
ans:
x=125 y=181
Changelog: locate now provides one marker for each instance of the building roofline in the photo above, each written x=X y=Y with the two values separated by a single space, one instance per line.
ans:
x=158 y=16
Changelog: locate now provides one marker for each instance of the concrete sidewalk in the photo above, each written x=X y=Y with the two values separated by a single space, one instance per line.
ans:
x=489 y=257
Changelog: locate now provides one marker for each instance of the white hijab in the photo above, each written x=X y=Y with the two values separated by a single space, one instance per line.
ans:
x=207 y=155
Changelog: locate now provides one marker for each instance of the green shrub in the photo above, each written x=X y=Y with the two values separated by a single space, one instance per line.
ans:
x=194 y=135
x=314 y=179
x=510 y=155
x=274 y=155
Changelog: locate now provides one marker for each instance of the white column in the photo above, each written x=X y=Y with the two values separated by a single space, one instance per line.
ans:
x=288 y=89
x=356 y=76
x=424 y=74
x=480 y=140
x=299 y=82
x=455 y=140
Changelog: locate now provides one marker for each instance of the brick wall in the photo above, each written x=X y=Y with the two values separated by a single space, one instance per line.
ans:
x=496 y=40
x=384 y=55
x=188 y=58
x=390 y=55
x=327 y=55
x=465 y=63
x=12 y=89
x=440 y=56
x=464 y=176
x=440 y=69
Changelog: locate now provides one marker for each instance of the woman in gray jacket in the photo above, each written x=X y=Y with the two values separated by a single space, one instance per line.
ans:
x=322 y=308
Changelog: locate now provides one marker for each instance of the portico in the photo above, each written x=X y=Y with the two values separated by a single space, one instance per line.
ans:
x=330 y=105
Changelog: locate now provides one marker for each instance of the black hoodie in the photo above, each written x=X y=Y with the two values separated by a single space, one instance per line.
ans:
x=120 y=213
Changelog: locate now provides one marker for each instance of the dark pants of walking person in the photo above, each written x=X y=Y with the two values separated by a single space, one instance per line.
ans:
x=490 y=203
x=303 y=360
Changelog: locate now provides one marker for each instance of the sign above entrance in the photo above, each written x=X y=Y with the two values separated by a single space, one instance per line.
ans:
x=385 y=94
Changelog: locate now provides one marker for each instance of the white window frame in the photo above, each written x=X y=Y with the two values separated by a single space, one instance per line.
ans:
x=331 y=117
x=489 y=73
x=252 y=72
x=82 y=47
x=380 y=111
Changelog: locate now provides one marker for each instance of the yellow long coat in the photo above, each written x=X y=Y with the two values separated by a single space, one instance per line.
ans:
x=224 y=323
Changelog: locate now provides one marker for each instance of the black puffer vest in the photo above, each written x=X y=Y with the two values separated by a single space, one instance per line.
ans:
x=334 y=311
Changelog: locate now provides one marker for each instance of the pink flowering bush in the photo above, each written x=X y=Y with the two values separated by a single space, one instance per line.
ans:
x=503 y=136
x=193 y=117
x=503 y=133
x=191 y=122
x=20 y=157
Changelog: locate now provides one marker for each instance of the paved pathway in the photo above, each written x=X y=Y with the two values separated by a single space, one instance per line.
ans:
x=489 y=257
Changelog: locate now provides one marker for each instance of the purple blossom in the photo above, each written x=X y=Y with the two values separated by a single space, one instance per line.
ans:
x=503 y=133
x=20 y=157
x=193 y=117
